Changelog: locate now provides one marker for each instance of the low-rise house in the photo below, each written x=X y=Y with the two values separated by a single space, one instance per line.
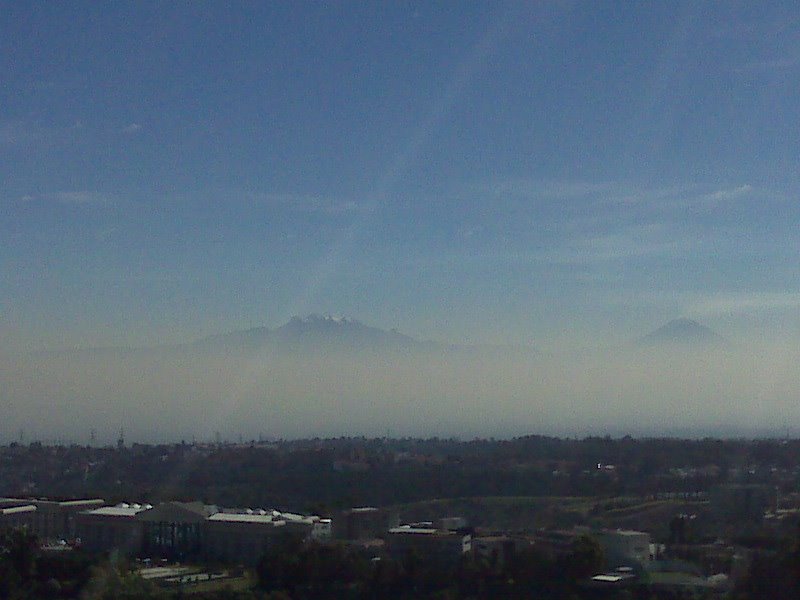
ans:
x=111 y=528
x=53 y=519
x=243 y=537
x=364 y=523
x=13 y=517
x=175 y=530
x=193 y=531
x=435 y=545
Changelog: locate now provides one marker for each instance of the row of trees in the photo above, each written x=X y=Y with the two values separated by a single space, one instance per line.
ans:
x=292 y=570
x=294 y=474
x=325 y=572
x=773 y=574
x=26 y=572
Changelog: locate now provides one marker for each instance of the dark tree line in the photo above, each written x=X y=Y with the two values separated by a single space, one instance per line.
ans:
x=773 y=574
x=323 y=572
x=27 y=572
x=339 y=473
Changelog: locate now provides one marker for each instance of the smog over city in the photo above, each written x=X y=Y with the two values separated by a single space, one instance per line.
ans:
x=325 y=377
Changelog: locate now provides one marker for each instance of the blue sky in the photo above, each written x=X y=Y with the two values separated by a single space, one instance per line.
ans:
x=497 y=172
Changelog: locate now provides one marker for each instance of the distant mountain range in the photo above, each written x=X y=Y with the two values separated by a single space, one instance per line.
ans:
x=313 y=332
x=325 y=333
x=683 y=332
x=316 y=334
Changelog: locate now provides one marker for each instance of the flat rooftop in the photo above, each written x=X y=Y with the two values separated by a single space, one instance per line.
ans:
x=266 y=519
x=12 y=510
x=419 y=531
x=120 y=510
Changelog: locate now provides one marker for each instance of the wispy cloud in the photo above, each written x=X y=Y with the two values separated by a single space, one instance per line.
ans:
x=774 y=39
x=81 y=198
x=618 y=194
x=71 y=198
x=721 y=304
x=589 y=250
x=753 y=30
x=680 y=196
x=309 y=203
x=17 y=133
x=767 y=65
x=628 y=243
x=668 y=202
x=467 y=232
x=27 y=134
x=636 y=196
x=728 y=194
x=104 y=235
x=132 y=128
x=606 y=221
x=547 y=188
